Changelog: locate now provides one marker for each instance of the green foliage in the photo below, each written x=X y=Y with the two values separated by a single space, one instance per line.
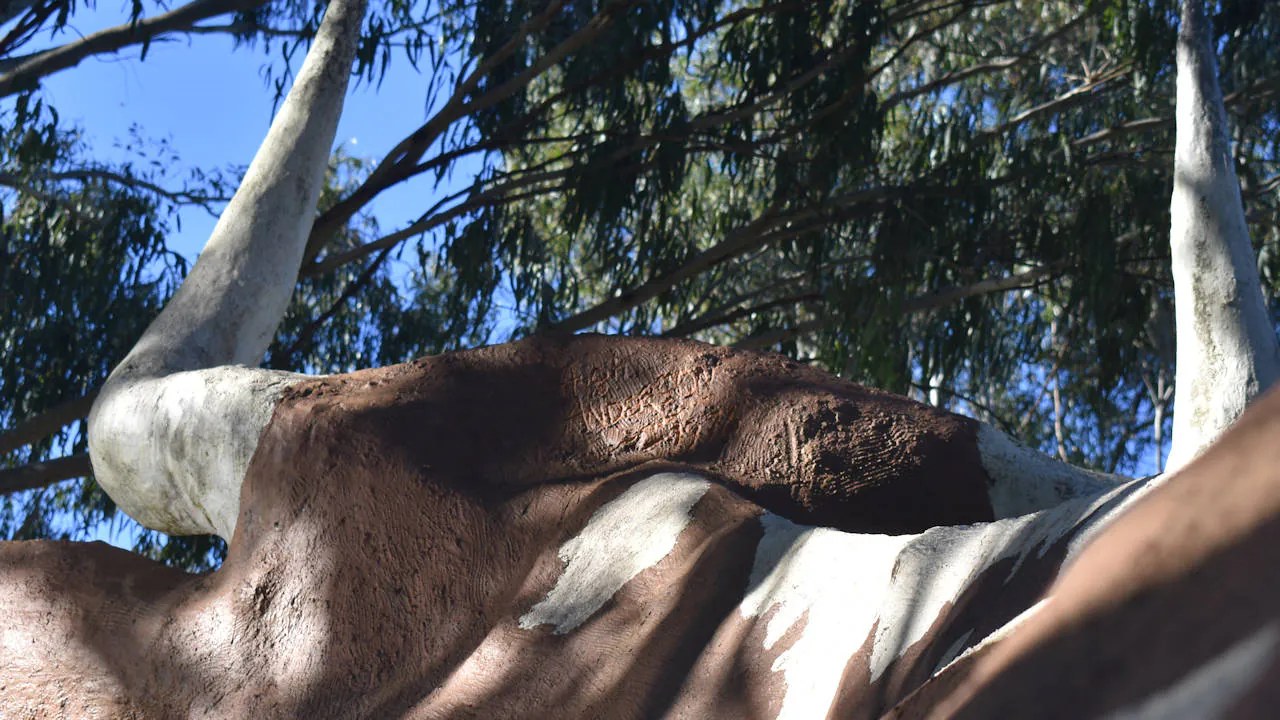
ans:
x=83 y=267
x=360 y=315
x=838 y=180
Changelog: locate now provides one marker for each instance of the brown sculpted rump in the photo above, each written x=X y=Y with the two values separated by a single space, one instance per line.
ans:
x=1185 y=576
x=798 y=441
x=627 y=660
x=396 y=523
x=734 y=676
x=74 y=620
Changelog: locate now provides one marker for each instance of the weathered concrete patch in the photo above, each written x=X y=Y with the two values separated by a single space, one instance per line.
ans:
x=398 y=524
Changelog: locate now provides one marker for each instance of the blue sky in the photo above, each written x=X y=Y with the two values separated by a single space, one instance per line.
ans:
x=209 y=99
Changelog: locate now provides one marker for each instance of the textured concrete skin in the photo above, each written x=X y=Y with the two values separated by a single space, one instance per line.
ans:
x=396 y=524
x=599 y=528
x=412 y=544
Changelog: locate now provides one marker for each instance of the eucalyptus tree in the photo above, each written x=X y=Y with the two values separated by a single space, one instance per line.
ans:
x=966 y=200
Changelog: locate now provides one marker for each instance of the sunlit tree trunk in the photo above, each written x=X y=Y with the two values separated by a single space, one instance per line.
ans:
x=1227 y=349
x=176 y=423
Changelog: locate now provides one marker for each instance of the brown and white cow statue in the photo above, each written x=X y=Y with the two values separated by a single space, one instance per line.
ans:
x=594 y=527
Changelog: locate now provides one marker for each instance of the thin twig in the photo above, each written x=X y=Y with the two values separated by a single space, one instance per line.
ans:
x=1005 y=425
x=984 y=68
x=710 y=321
x=400 y=162
x=919 y=303
x=306 y=338
x=500 y=195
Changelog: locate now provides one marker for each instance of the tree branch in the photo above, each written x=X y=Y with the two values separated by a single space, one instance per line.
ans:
x=499 y=195
x=1255 y=91
x=306 y=338
x=245 y=28
x=50 y=421
x=37 y=475
x=919 y=303
x=688 y=328
x=769 y=338
x=747 y=238
x=400 y=163
x=743 y=240
x=181 y=197
x=1004 y=424
x=955 y=293
x=395 y=167
x=1133 y=126
x=1074 y=96
x=983 y=68
x=27 y=71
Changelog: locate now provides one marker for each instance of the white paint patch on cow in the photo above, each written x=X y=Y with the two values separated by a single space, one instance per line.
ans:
x=1023 y=480
x=1210 y=691
x=931 y=571
x=626 y=536
x=1077 y=521
x=836 y=581
x=173 y=451
x=937 y=567
x=844 y=585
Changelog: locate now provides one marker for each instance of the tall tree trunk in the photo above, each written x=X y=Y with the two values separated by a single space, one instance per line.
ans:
x=1227 y=349
x=170 y=439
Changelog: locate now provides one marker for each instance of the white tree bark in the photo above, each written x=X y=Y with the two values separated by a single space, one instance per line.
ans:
x=1227 y=348
x=171 y=434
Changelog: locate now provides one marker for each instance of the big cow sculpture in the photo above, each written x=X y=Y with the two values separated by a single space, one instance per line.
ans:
x=606 y=527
